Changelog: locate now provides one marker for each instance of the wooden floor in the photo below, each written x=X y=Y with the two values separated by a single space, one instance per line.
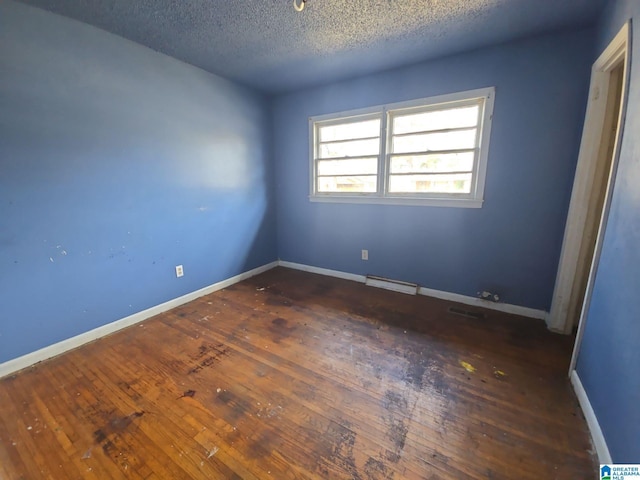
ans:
x=293 y=375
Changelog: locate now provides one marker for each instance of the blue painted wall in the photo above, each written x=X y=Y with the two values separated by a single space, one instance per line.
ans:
x=512 y=244
x=116 y=164
x=610 y=353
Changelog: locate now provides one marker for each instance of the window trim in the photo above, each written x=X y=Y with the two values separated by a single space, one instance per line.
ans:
x=474 y=199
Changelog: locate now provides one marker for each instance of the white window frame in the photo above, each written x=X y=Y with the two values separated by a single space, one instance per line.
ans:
x=474 y=199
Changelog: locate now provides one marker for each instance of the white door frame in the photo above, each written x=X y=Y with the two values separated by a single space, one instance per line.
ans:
x=590 y=154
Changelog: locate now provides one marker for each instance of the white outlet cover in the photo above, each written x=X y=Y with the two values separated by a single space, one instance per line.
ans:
x=179 y=271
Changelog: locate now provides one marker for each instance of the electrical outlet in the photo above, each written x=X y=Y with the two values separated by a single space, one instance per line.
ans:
x=179 y=271
x=365 y=254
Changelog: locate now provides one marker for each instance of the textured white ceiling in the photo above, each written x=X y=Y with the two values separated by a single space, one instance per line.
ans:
x=266 y=44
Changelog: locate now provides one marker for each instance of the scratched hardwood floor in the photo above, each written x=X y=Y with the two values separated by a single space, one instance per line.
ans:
x=291 y=375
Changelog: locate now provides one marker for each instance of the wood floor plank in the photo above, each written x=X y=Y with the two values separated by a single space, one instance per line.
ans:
x=290 y=375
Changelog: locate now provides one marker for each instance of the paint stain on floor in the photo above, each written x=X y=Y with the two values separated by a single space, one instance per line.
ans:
x=467 y=366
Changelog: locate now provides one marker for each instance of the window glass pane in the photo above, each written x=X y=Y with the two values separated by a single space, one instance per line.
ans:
x=347 y=184
x=348 y=167
x=435 y=141
x=353 y=148
x=352 y=130
x=444 y=162
x=437 y=120
x=455 y=183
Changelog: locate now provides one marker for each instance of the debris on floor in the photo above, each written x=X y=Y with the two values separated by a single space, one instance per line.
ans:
x=188 y=393
x=468 y=367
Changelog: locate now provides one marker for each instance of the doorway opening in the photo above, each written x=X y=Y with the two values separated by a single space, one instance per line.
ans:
x=592 y=188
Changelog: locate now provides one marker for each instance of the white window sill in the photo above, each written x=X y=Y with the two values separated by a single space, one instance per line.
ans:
x=425 y=202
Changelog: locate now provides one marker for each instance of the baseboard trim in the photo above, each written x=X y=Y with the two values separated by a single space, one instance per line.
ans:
x=30 y=359
x=429 y=292
x=599 y=442
x=323 y=271
x=479 y=302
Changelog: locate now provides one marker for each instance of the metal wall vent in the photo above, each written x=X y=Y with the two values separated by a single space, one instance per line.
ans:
x=388 y=284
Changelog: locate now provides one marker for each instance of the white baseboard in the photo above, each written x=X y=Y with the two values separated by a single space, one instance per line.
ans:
x=597 y=437
x=32 y=358
x=323 y=271
x=479 y=302
x=429 y=292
